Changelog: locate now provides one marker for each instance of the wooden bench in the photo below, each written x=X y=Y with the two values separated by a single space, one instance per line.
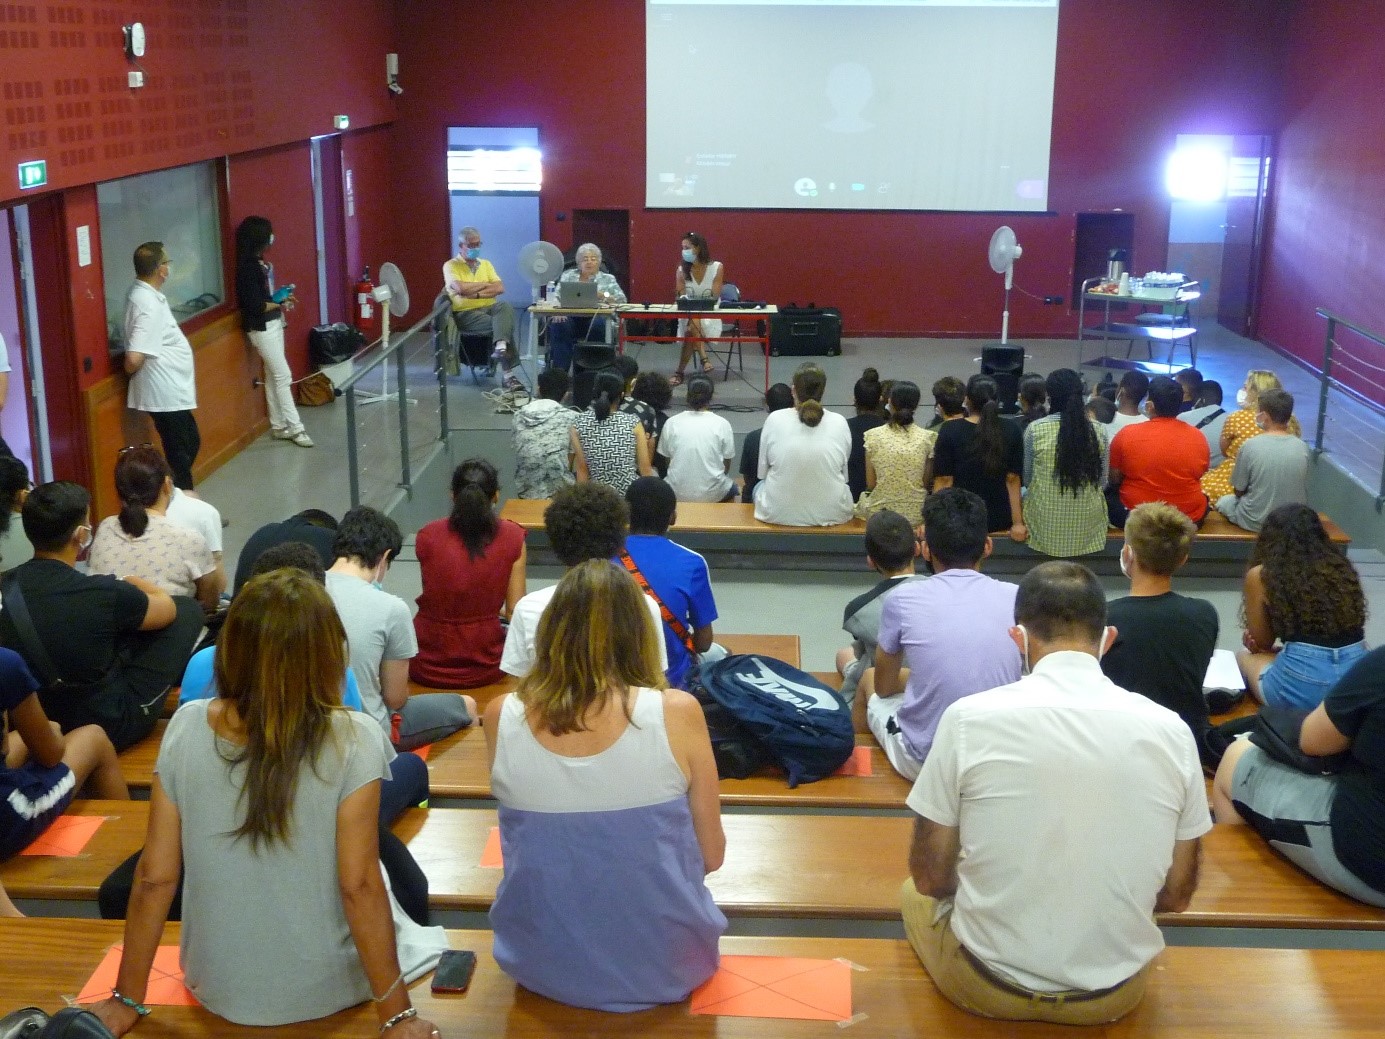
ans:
x=1194 y=993
x=823 y=867
x=730 y=536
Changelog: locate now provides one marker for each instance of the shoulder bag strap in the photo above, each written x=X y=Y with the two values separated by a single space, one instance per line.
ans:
x=1211 y=418
x=680 y=630
x=32 y=645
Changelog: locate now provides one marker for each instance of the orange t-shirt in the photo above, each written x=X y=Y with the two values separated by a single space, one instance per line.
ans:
x=1162 y=460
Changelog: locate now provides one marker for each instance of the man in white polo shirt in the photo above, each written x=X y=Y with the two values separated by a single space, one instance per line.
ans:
x=1056 y=816
x=158 y=359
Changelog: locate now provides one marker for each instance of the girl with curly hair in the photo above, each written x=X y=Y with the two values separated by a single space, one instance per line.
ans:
x=1065 y=469
x=1301 y=591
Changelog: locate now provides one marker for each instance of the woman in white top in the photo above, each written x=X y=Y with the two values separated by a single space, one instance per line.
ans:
x=267 y=798
x=699 y=446
x=142 y=541
x=803 y=457
x=699 y=277
x=610 y=815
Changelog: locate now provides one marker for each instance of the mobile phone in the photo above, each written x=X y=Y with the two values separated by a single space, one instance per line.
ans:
x=454 y=971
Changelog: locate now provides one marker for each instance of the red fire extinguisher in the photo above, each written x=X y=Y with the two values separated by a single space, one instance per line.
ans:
x=366 y=314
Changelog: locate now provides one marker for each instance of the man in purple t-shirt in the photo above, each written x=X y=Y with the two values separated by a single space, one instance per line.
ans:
x=940 y=639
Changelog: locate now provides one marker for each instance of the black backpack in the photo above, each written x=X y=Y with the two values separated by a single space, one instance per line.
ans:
x=763 y=711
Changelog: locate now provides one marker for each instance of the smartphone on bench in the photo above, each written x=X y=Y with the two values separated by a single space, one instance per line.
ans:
x=455 y=968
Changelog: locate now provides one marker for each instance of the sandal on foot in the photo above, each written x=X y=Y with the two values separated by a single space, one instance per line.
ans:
x=676 y=379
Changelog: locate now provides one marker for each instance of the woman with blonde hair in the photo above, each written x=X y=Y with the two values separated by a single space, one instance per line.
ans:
x=803 y=459
x=610 y=815
x=267 y=796
x=899 y=458
x=1239 y=427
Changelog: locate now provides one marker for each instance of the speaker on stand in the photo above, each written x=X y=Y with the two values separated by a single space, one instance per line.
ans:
x=1004 y=362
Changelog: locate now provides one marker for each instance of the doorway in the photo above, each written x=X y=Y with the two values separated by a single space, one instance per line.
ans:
x=329 y=219
x=493 y=185
x=608 y=230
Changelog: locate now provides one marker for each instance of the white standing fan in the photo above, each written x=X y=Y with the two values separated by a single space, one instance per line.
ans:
x=1003 y=251
x=540 y=263
x=393 y=296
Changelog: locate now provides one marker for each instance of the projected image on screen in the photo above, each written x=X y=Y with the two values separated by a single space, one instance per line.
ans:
x=916 y=104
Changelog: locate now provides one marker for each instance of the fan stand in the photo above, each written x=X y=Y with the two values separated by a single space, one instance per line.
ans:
x=363 y=399
x=1005 y=314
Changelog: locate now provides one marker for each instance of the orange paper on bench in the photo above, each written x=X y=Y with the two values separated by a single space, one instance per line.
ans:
x=67 y=837
x=858 y=764
x=778 y=987
x=423 y=751
x=490 y=854
x=166 y=988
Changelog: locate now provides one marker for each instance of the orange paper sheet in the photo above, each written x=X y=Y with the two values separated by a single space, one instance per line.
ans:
x=490 y=854
x=166 y=988
x=858 y=764
x=777 y=987
x=67 y=837
x=423 y=751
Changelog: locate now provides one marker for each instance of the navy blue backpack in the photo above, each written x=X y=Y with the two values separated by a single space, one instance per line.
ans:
x=763 y=711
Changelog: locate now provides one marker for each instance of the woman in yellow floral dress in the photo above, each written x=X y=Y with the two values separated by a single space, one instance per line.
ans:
x=1239 y=427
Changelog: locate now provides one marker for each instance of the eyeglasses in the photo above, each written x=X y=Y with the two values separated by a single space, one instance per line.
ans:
x=133 y=447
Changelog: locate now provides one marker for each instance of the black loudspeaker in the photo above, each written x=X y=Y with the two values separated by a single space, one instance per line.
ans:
x=588 y=361
x=1005 y=364
x=806 y=331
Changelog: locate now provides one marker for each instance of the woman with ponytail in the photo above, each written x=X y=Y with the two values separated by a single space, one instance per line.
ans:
x=472 y=564
x=1065 y=469
x=803 y=459
x=899 y=458
x=984 y=455
x=141 y=541
x=609 y=446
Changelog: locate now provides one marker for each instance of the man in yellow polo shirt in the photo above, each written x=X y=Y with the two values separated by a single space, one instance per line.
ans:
x=474 y=288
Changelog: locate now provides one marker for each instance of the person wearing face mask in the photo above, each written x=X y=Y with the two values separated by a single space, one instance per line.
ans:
x=698 y=277
x=263 y=315
x=380 y=635
x=1028 y=925
x=107 y=649
x=1165 y=640
x=475 y=288
x=939 y=640
x=1271 y=470
x=1239 y=427
x=564 y=331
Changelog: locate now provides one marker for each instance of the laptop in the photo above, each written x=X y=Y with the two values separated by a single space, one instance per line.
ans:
x=578 y=294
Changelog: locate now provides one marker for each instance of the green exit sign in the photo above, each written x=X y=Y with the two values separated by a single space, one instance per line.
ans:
x=33 y=174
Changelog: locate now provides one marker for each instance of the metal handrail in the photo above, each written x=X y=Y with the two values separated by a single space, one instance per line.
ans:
x=397 y=340
x=1325 y=383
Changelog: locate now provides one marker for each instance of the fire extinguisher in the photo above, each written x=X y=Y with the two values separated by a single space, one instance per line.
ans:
x=367 y=317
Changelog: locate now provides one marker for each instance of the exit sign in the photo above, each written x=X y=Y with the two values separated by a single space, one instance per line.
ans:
x=33 y=174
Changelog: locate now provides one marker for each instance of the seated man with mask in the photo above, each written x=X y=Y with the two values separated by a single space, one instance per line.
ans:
x=475 y=290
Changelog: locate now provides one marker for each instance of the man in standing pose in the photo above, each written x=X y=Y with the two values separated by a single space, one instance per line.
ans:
x=158 y=359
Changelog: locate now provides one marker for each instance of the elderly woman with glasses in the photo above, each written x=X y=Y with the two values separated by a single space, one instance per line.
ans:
x=562 y=330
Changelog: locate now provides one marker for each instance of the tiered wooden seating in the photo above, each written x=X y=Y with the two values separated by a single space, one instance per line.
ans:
x=1194 y=993
x=777 y=866
x=729 y=535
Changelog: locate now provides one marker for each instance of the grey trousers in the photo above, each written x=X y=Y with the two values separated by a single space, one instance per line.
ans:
x=496 y=321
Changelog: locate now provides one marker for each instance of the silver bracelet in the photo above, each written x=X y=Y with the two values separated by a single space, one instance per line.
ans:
x=386 y=994
x=399 y=1018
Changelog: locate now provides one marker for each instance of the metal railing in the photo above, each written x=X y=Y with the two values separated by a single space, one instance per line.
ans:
x=410 y=355
x=1357 y=420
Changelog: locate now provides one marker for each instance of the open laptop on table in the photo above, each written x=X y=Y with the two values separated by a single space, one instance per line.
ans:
x=578 y=295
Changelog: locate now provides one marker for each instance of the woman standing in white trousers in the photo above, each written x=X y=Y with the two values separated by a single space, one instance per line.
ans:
x=262 y=310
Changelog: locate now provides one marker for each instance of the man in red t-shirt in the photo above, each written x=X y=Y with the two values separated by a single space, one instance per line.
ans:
x=1158 y=460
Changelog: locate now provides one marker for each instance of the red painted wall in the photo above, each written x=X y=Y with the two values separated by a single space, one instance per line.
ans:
x=1131 y=76
x=1326 y=243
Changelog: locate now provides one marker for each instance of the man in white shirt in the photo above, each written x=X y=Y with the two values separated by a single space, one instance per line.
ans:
x=1056 y=816
x=1131 y=391
x=584 y=521
x=185 y=510
x=158 y=359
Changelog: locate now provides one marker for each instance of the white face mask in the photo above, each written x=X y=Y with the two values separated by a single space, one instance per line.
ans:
x=1125 y=568
x=1241 y=397
x=1024 y=634
x=271 y=239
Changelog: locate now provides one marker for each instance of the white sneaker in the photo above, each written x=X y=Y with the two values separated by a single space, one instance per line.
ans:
x=281 y=434
x=302 y=439
x=501 y=347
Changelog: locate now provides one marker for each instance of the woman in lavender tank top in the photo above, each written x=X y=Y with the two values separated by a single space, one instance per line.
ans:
x=609 y=810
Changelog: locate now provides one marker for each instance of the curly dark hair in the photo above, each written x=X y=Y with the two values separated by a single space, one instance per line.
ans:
x=1312 y=593
x=654 y=389
x=1077 y=459
x=586 y=521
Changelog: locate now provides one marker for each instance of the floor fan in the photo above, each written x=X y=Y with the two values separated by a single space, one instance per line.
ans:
x=540 y=262
x=1003 y=251
x=393 y=296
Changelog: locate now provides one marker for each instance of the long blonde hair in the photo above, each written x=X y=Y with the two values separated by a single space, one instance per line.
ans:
x=281 y=662
x=1258 y=380
x=595 y=638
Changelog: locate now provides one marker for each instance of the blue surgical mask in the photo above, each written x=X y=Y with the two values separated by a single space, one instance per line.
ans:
x=473 y=254
x=689 y=256
x=271 y=239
